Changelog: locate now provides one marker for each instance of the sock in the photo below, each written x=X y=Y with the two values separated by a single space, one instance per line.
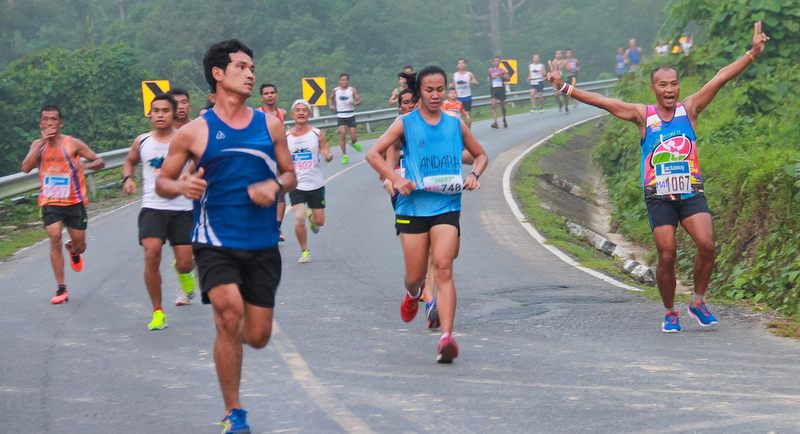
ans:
x=672 y=310
x=61 y=289
x=156 y=308
x=697 y=297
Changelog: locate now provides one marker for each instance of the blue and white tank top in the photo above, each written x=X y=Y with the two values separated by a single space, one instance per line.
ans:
x=345 y=102
x=235 y=158
x=432 y=160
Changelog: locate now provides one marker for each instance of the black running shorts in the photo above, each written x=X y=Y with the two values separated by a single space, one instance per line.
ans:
x=662 y=212
x=73 y=216
x=499 y=93
x=314 y=198
x=175 y=226
x=256 y=272
x=348 y=122
x=420 y=225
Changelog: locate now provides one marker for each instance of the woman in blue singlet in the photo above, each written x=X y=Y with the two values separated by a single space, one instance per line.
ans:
x=429 y=206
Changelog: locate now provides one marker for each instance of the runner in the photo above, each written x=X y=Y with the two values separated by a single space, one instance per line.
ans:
x=160 y=219
x=463 y=81
x=62 y=196
x=633 y=56
x=536 y=78
x=497 y=77
x=572 y=65
x=401 y=84
x=239 y=153
x=306 y=144
x=184 y=112
x=429 y=207
x=561 y=99
x=620 y=68
x=671 y=176
x=269 y=98
x=453 y=106
x=343 y=101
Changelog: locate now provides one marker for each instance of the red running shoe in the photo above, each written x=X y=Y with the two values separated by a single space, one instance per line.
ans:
x=62 y=296
x=75 y=261
x=448 y=349
x=409 y=306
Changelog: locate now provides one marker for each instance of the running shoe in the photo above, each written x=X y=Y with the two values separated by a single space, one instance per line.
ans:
x=357 y=147
x=533 y=110
x=700 y=311
x=409 y=306
x=305 y=257
x=314 y=227
x=345 y=159
x=448 y=349
x=281 y=237
x=76 y=261
x=432 y=314
x=235 y=422
x=181 y=298
x=159 y=321
x=62 y=295
x=187 y=283
x=494 y=125
x=672 y=324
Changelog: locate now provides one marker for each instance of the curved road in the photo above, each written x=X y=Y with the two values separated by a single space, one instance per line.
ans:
x=544 y=347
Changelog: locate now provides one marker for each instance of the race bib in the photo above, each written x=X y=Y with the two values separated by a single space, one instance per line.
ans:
x=673 y=178
x=444 y=184
x=303 y=161
x=56 y=186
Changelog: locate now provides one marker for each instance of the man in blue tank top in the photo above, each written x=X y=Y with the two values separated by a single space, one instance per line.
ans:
x=239 y=153
x=671 y=177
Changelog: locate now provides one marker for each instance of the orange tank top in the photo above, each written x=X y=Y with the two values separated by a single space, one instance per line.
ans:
x=61 y=176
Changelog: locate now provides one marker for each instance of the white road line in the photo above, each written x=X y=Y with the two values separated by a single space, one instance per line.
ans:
x=532 y=231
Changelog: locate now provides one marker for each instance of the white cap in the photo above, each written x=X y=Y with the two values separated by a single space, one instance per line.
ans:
x=300 y=101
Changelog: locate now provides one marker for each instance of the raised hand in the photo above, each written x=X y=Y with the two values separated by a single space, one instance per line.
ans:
x=759 y=40
x=192 y=185
x=554 y=76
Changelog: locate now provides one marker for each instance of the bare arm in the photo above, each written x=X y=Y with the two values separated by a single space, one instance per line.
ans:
x=83 y=150
x=356 y=97
x=32 y=159
x=133 y=158
x=473 y=79
x=393 y=97
x=324 y=149
x=475 y=149
x=332 y=100
x=171 y=182
x=264 y=193
x=375 y=157
x=626 y=111
x=698 y=101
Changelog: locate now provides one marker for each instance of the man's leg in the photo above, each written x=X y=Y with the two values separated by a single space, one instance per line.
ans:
x=533 y=99
x=300 y=225
x=700 y=227
x=152 y=274
x=228 y=317
x=184 y=261
x=343 y=138
x=77 y=238
x=503 y=109
x=415 y=254
x=664 y=237
x=56 y=254
x=257 y=325
x=494 y=112
x=354 y=136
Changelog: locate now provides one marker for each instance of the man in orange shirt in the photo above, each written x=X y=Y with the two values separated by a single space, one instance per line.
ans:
x=62 y=196
x=453 y=106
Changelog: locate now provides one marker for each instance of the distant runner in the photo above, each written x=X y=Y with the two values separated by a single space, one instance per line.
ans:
x=673 y=183
x=536 y=77
x=633 y=56
x=453 y=106
x=160 y=219
x=184 y=113
x=269 y=105
x=62 y=196
x=343 y=101
x=307 y=144
x=429 y=206
x=563 y=103
x=497 y=77
x=463 y=81
x=242 y=165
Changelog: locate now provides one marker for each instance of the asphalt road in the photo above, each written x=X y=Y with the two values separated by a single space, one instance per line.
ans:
x=544 y=347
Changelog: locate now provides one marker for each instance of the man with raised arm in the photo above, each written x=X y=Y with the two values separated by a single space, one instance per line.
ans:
x=671 y=176
x=242 y=164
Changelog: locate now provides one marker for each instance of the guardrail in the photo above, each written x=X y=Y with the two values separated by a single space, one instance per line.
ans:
x=20 y=183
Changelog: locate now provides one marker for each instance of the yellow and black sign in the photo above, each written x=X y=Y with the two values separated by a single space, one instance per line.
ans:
x=510 y=66
x=150 y=89
x=314 y=91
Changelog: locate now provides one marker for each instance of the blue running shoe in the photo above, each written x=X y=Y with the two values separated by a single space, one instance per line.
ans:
x=672 y=324
x=702 y=313
x=235 y=422
x=432 y=314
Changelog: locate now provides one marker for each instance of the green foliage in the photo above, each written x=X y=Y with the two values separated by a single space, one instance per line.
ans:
x=749 y=146
x=98 y=90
